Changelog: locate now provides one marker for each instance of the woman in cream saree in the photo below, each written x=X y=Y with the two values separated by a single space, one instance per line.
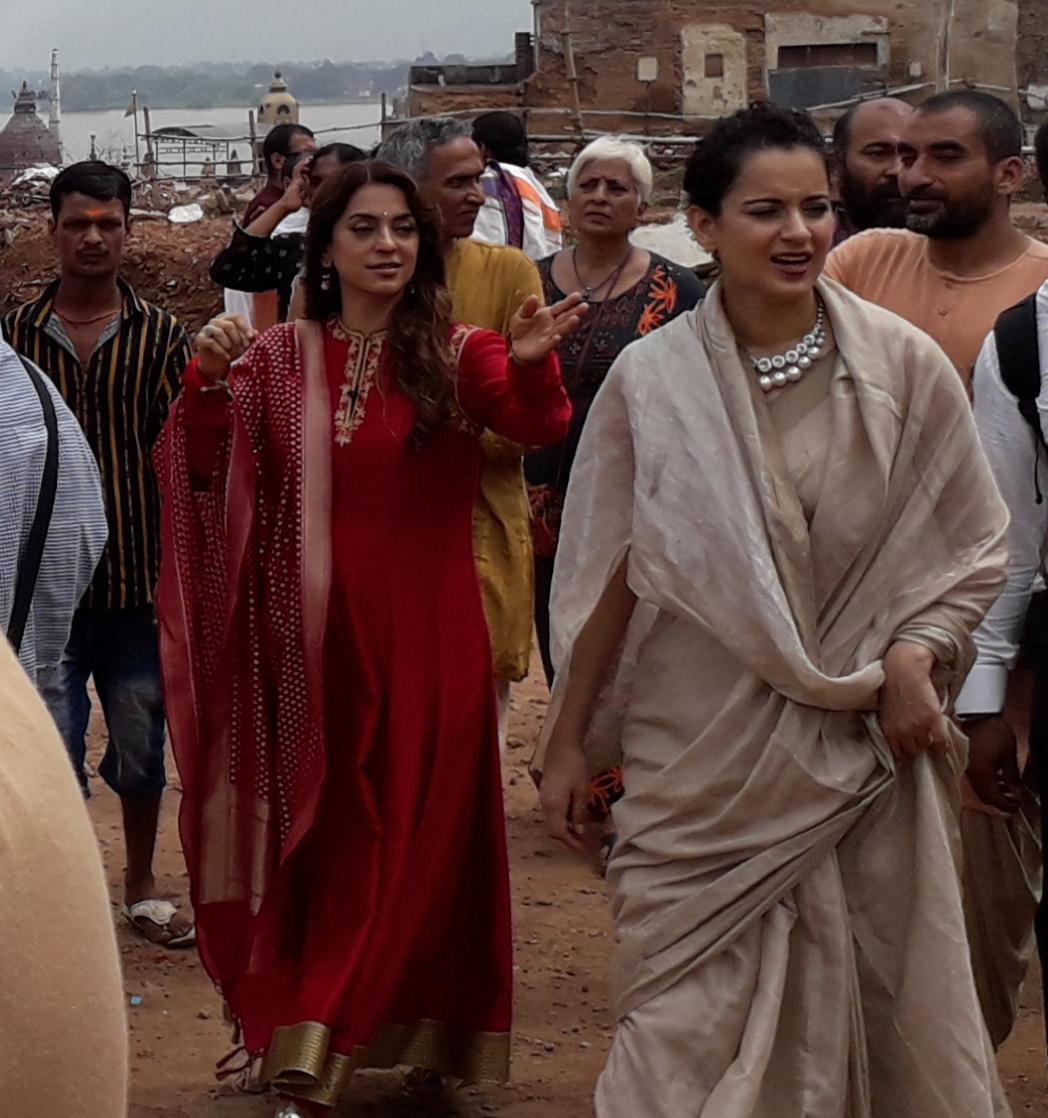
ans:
x=774 y=590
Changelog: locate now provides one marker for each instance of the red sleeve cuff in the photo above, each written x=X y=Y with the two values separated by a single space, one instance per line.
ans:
x=530 y=382
x=202 y=409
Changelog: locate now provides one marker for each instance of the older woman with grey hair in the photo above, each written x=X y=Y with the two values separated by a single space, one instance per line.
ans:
x=631 y=292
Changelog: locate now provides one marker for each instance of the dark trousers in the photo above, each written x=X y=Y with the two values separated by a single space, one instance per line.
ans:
x=119 y=648
x=543 y=589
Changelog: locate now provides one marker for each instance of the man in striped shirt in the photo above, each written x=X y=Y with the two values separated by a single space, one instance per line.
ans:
x=117 y=361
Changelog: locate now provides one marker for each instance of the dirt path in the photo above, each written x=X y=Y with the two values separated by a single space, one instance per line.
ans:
x=563 y=1019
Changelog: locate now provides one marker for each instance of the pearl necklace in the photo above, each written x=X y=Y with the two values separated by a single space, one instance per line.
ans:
x=789 y=367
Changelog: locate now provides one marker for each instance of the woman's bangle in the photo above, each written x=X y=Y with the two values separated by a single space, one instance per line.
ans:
x=222 y=385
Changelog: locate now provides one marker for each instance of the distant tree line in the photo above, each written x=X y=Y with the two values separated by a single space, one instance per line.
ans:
x=215 y=85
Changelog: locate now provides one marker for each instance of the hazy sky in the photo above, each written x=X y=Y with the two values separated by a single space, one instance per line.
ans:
x=166 y=33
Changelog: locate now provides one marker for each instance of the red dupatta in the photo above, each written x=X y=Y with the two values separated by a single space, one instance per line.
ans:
x=241 y=605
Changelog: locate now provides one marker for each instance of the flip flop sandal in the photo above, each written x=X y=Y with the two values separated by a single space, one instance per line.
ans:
x=241 y=1073
x=159 y=914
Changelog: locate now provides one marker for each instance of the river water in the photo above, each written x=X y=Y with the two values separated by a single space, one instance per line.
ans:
x=114 y=132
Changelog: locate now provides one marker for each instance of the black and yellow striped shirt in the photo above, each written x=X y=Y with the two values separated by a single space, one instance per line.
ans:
x=121 y=399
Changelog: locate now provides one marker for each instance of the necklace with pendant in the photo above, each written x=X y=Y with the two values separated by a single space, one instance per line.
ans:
x=613 y=278
x=789 y=367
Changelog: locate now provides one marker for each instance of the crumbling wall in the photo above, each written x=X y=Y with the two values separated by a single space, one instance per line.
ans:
x=436 y=100
x=658 y=59
x=984 y=44
x=1032 y=55
x=609 y=37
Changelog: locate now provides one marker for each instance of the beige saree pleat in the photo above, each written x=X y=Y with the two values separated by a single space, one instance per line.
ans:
x=786 y=898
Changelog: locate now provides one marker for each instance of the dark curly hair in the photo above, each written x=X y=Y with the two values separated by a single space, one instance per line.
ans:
x=418 y=351
x=715 y=164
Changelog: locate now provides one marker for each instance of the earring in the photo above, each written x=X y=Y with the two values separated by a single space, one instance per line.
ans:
x=325 y=280
x=411 y=289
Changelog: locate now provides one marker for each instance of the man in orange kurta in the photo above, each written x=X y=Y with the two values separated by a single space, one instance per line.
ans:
x=960 y=261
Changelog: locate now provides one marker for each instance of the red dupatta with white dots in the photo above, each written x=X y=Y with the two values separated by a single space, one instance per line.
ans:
x=241 y=605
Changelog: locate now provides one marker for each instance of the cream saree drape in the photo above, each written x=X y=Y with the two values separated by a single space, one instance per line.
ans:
x=786 y=897
x=63 y=1026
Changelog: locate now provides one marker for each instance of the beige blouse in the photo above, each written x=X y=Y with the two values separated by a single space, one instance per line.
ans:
x=803 y=418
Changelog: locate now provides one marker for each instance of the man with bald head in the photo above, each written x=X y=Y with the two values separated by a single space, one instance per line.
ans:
x=866 y=143
x=960 y=261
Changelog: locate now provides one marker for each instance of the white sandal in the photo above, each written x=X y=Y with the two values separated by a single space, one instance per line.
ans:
x=160 y=914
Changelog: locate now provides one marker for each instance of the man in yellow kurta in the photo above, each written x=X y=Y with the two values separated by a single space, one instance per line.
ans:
x=488 y=284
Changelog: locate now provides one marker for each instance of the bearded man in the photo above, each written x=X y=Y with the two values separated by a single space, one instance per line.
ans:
x=960 y=261
x=867 y=156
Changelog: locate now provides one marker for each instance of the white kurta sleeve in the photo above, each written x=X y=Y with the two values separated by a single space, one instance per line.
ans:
x=1017 y=463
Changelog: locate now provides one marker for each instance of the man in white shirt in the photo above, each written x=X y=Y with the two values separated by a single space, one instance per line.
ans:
x=518 y=210
x=1020 y=466
x=1018 y=455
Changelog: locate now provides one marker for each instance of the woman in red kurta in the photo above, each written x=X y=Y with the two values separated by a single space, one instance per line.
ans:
x=327 y=665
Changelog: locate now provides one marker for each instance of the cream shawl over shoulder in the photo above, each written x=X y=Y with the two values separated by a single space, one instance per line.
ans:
x=746 y=695
x=679 y=463
x=63 y=1036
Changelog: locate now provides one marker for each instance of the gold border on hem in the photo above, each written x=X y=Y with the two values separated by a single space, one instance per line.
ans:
x=299 y=1062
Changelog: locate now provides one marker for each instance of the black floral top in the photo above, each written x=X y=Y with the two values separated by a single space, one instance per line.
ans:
x=665 y=291
x=250 y=263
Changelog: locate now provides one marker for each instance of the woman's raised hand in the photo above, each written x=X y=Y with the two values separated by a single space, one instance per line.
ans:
x=220 y=343
x=537 y=330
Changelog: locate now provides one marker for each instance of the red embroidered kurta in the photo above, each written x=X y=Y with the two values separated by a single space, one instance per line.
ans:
x=330 y=682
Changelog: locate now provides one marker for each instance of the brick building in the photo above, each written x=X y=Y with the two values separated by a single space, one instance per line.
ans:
x=702 y=59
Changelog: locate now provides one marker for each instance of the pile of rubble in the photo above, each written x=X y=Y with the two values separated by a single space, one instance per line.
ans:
x=166 y=264
x=177 y=230
x=1032 y=219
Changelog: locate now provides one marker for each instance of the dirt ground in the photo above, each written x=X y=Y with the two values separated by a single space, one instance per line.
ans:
x=563 y=949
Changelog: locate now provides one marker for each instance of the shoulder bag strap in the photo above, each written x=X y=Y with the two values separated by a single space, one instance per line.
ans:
x=1018 y=354
x=29 y=567
x=1019 y=357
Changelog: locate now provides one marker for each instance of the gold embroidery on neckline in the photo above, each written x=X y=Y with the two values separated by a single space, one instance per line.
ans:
x=362 y=365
